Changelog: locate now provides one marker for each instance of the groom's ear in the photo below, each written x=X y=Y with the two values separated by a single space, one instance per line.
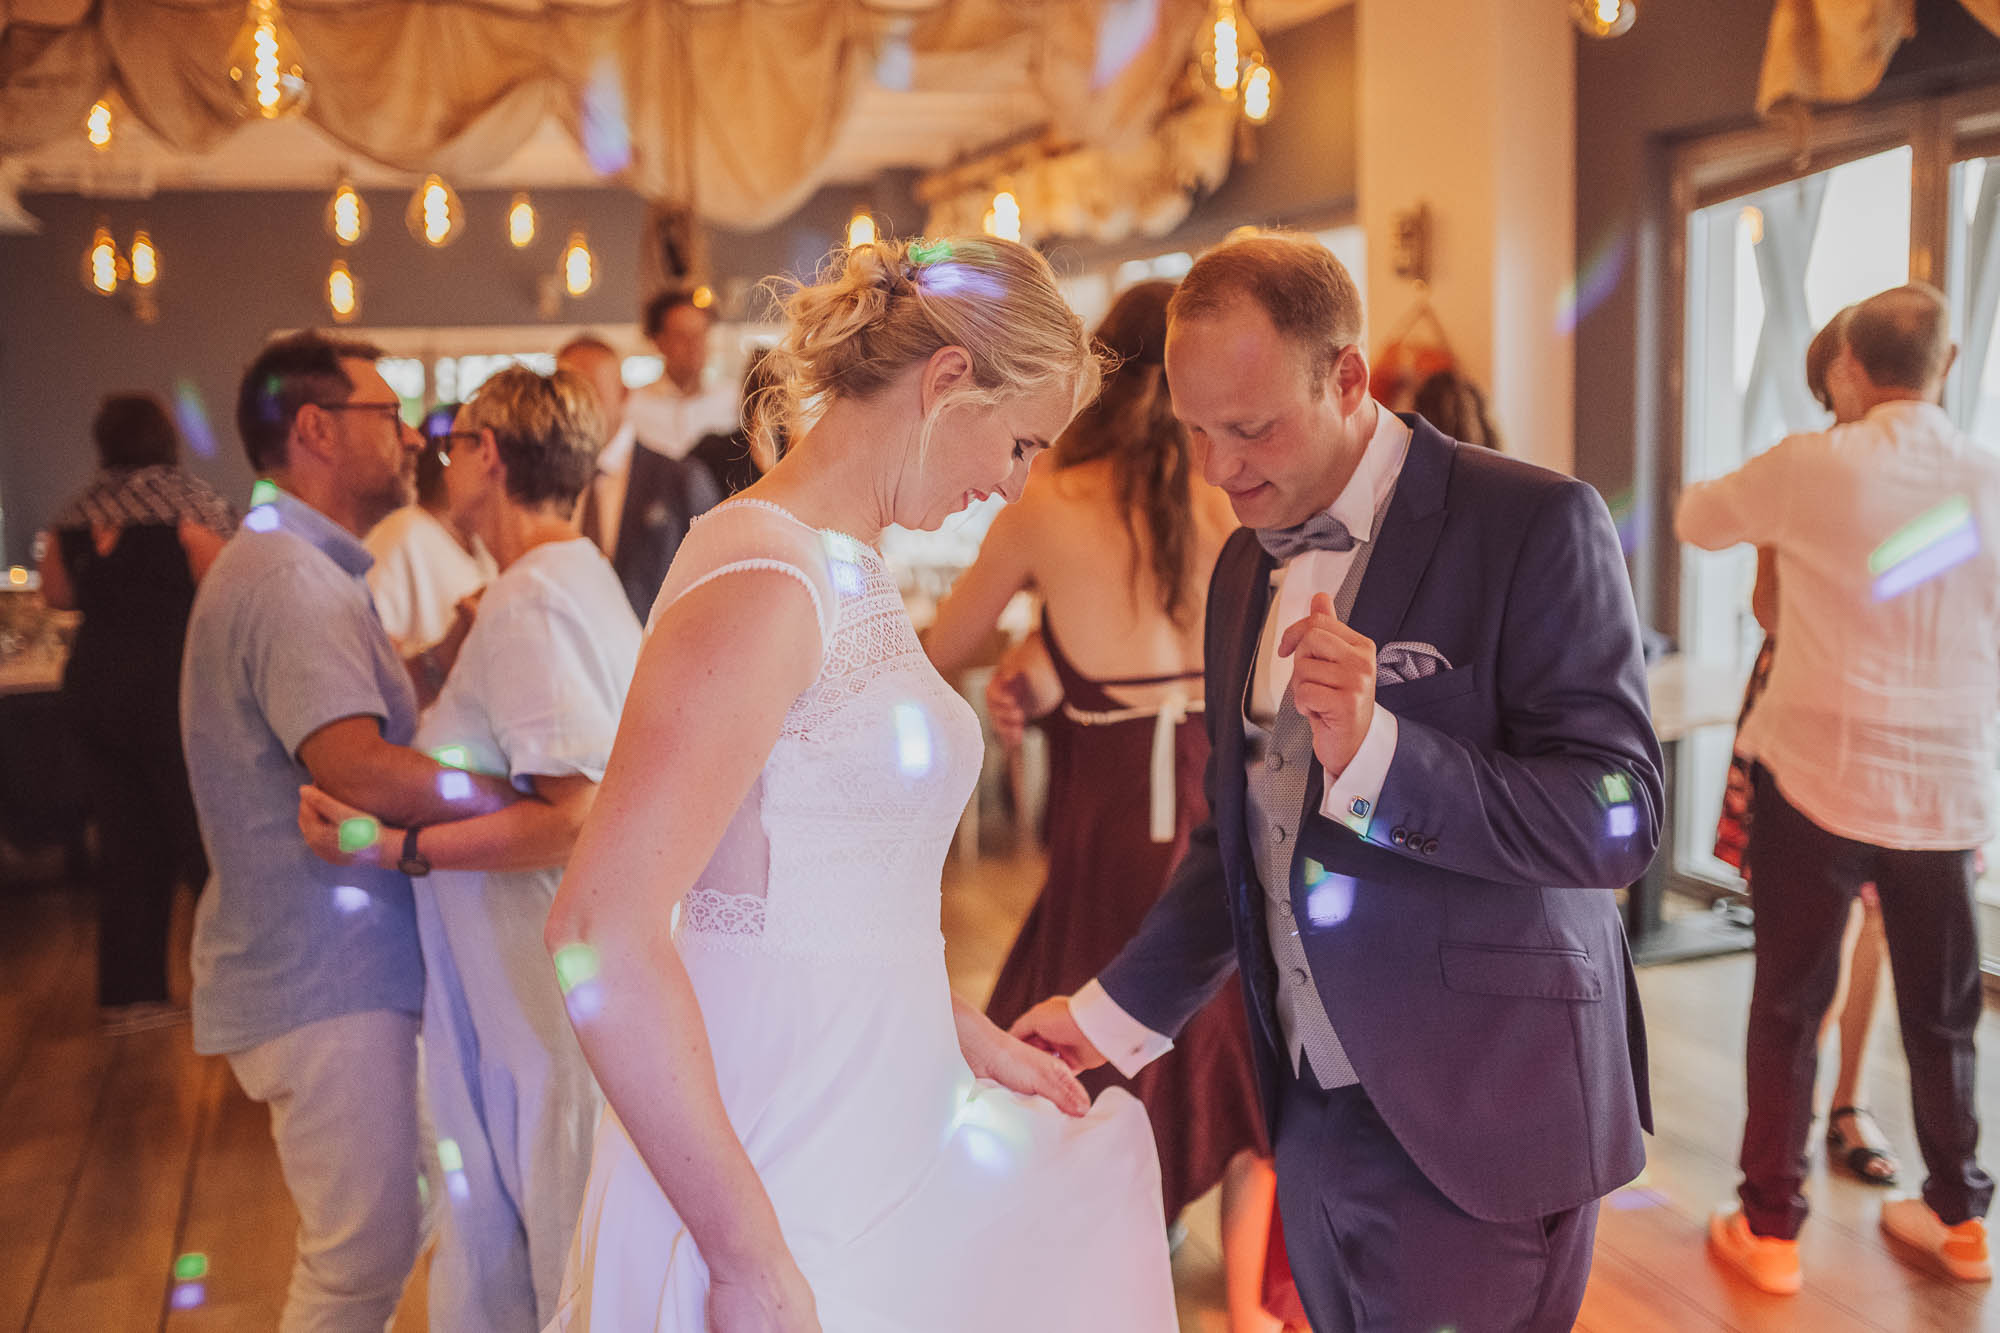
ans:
x=1347 y=380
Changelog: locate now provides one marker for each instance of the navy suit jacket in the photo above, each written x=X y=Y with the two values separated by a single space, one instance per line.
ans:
x=1469 y=950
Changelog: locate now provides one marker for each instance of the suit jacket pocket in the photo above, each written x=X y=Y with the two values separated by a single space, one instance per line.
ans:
x=1543 y=974
x=1410 y=695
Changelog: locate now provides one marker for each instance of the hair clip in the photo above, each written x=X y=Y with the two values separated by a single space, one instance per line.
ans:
x=924 y=253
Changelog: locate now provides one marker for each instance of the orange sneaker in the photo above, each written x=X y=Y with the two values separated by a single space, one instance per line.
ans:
x=1766 y=1262
x=1957 y=1251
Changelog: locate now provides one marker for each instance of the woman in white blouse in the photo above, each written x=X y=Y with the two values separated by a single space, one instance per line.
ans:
x=535 y=695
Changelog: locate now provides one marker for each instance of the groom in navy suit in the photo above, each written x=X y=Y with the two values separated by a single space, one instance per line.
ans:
x=1432 y=764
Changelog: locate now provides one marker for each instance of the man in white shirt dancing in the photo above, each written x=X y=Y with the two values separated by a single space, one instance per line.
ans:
x=1875 y=744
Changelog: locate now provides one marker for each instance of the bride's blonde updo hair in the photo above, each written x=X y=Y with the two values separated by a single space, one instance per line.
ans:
x=879 y=308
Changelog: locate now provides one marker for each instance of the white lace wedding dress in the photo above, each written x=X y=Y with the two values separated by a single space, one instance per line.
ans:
x=915 y=1198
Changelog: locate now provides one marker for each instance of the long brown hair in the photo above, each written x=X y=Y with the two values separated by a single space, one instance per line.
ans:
x=1132 y=424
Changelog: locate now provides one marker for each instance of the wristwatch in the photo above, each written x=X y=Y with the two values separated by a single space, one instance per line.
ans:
x=413 y=862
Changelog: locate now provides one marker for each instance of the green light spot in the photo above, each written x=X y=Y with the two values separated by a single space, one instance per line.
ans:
x=1925 y=530
x=575 y=964
x=264 y=492
x=423 y=1191
x=358 y=833
x=929 y=252
x=1617 y=788
x=1314 y=872
x=449 y=1157
x=191 y=1267
x=452 y=756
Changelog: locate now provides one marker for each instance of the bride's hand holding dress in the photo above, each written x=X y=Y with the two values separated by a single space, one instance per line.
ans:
x=1013 y=1063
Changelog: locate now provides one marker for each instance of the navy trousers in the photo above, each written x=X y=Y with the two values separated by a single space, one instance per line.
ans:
x=1376 y=1248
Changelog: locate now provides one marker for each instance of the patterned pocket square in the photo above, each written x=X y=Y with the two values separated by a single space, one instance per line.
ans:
x=1397 y=663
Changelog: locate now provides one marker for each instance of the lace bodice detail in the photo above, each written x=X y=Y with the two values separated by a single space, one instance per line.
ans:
x=838 y=848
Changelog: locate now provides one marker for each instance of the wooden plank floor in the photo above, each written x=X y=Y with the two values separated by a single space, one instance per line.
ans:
x=119 y=1155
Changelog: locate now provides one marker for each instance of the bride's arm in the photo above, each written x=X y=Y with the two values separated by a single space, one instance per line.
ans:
x=718 y=672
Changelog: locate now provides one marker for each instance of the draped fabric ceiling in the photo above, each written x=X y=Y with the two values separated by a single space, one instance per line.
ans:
x=728 y=105
x=1837 y=50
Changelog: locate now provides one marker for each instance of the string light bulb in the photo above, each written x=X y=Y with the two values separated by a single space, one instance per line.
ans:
x=103 y=267
x=145 y=259
x=1604 y=18
x=1220 y=53
x=343 y=292
x=1004 y=218
x=521 y=222
x=97 y=125
x=1260 y=90
x=579 y=266
x=347 y=213
x=703 y=297
x=861 y=227
x=435 y=216
x=264 y=64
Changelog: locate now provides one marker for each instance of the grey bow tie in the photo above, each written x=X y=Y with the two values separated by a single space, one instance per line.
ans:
x=1321 y=532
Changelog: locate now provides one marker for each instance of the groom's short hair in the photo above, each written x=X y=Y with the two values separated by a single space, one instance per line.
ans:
x=1308 y=294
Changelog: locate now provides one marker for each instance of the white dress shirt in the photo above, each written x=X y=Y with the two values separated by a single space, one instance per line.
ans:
x=661 y=418
x=1350 y=796
x=419 y=575
x=1881 y=722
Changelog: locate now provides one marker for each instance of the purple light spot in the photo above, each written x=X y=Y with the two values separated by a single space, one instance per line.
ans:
x=457 y=1186
x=1123 y=31
x=607 y=140
x=455 y=786
x=1596 y=280
x=1953 y=548
x=986 y=1148
x=347 y=899
x=188 y=1295
x=263 y=518
x=951 y=278
x=585 y=1001
x=191 y=415
x=1635 y=1197
x=847 y=580
x=1329 y=902
x=1621 y=821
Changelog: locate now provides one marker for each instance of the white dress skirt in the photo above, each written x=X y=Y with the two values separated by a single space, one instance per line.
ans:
x=915 y=1198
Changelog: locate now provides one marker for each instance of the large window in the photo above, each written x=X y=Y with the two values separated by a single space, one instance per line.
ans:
x=1777 y=237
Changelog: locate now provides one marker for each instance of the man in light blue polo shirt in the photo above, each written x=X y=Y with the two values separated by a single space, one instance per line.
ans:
x=309 y=978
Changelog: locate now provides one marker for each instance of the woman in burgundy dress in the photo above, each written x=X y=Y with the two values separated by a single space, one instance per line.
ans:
x=1118 y=539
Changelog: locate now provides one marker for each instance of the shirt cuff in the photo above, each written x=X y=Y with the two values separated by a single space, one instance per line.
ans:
x=1126 y=1042
x=1351 y=798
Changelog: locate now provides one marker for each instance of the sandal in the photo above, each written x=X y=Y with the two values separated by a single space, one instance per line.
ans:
x=1875 y=1166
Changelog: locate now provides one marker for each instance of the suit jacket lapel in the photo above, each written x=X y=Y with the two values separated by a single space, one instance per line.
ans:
x=1247 y=585
x=1403 y=547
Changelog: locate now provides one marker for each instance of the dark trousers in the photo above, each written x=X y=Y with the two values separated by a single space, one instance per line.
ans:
x=1802 y=881
x=147 y=843
x=1376 y=1248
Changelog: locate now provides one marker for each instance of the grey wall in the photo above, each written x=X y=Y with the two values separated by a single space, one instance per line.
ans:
x=236 y=266
x=1686 y=68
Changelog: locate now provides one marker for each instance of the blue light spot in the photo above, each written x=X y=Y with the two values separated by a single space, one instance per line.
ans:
x=1949 y=550
x=455 y=786
x=585 y=1001
x=1123 y=30
x=985 y=1147
x=188 y=1295
x=191 y=415
x=457 y=1186
x=348 y=899
x=261 y=519
x=1621 y=821
x=913 y=740
x=847 y=580
x=607 y=137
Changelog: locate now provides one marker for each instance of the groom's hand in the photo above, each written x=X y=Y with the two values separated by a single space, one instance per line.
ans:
x=1333 y=682
x=1049 y=1027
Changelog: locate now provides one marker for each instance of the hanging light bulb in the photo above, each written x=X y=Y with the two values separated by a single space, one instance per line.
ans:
x=347 y=213
x=861 y=227
x=1004 y=218
x=145 y=259
x=521 y=222
x=98 y=124
x=1220 y=52
x=1260 y=90
x=579 y=266
x=1604 y=18
x=264 y=64
x=703 y=297
x=103 y=267
x=435 y=216
x=343 y=292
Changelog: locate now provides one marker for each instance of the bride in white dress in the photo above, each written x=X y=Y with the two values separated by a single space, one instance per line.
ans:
x=806 y=1130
